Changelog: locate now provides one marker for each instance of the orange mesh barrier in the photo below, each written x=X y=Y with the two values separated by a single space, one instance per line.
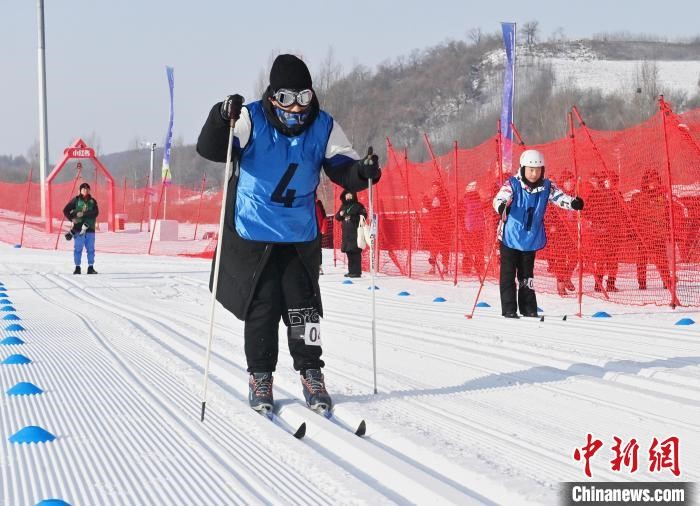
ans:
x=636 y=242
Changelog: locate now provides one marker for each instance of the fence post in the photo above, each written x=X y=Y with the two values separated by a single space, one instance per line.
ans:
x=457 y=225
x=155 y=221
x=26 y=205
x=665 y=109
x=199 y=207
x=579 y=260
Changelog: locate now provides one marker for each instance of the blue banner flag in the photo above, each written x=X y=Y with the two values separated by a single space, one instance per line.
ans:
x=165 y=172
x=508 y=93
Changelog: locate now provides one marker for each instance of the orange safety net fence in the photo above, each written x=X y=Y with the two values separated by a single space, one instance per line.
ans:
x=636 y=242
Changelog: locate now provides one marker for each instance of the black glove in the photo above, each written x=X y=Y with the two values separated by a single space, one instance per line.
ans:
x=231 y=107
x=577 y=204
x=370 y=166
x=503 y=207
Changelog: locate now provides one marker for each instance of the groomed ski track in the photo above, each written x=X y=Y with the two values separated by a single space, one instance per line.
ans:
x=486 y=411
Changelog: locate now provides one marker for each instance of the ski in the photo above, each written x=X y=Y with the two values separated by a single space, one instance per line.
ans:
x=298 y=433
x=359 y=431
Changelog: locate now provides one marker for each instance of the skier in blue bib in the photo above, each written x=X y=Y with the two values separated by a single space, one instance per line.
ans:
x=271 y=241
x=522 y=202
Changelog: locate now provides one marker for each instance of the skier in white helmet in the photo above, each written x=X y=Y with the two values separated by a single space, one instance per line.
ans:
x=522 y=202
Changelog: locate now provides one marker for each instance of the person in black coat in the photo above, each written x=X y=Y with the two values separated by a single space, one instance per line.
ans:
x=349 y=215
x=270 y=247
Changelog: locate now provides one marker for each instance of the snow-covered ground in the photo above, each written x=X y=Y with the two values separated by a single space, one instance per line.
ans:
x=486 y=410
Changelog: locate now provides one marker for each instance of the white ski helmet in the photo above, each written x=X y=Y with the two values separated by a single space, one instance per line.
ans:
x=532 y=158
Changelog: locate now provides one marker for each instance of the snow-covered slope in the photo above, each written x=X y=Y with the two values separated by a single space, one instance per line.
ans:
x=468 y=411
x=576 y=63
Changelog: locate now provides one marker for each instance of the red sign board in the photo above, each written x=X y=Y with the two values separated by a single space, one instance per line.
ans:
x=80 y=152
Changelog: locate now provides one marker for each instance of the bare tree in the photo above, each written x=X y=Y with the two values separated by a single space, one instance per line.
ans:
x=531 y=30
x=329 y=72
x=264 y=75
x=476 y=35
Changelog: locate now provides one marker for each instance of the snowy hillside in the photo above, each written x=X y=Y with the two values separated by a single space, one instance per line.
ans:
x=481 y=411
x=577 y=63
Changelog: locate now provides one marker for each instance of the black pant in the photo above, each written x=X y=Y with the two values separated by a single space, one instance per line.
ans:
x=521 y=265
x=284 y=290
x=354 y=262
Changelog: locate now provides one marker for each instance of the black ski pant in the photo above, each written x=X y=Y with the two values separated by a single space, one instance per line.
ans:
x=354 y=262
x=520 y=265
x=285 y=290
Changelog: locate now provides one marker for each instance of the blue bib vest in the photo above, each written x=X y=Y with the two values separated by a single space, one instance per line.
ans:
x=524 y=228
x=276 y=193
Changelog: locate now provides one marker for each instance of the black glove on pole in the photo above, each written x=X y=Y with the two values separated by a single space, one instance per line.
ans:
x=231 y=107
x=370 y=165
x=577 y=204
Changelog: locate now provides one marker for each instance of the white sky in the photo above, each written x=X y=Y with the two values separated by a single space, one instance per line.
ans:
x=106 y=60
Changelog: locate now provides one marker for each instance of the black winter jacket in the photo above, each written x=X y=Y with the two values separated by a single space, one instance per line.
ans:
x=243 y=260
x=89 y=216
x=350 y=220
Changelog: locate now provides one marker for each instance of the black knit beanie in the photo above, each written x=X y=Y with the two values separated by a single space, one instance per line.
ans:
x=289 y=72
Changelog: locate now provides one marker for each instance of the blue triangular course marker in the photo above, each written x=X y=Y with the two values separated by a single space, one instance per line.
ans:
x=11 y=317
x=347 y=282
x=25 y=388
x=540 y=310
x=439 y=299
x=14 y=327
x=16 y=359
x=3 y=289
x=32 y=434
x=18 y=245
x=685 y=321
x=10 y=340
x=601 y=314
x=8 y=309
x=375 y=287
x=403 y=294
x=483 y=304
x=52 y=502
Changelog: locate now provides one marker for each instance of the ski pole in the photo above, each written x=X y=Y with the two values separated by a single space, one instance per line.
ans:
x=215 y=284
x=372 y=235
x=483 y=279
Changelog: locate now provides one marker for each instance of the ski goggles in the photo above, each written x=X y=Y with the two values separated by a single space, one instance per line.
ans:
x=287 y=97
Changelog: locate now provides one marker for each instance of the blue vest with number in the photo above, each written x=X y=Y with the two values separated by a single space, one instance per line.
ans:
x=276 y=194
x=524 y=228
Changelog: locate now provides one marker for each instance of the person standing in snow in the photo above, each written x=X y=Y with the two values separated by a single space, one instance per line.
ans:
x=82 y=211
x=271 y=242
x=522 y=202
x=349 y=216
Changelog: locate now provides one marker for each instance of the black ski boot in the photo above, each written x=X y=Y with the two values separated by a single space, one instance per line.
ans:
x=315 y=393
x=260 y=391
x=77 y=270
x=91 y=270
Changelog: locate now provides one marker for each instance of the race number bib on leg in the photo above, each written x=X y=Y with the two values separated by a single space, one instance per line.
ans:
x=312 y=334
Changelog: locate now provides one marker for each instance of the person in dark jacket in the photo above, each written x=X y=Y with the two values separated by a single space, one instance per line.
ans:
x=349 y=216
x=82 y=211
x=271 y=242
x=522 y=202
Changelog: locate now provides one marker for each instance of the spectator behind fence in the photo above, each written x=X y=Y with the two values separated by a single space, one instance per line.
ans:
x=561 y=239
x=472 y=236
x=606 y=212
x=651 y=226
x=82 y=211
x=349 y=216
x=436 y=209
x=522 y=202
